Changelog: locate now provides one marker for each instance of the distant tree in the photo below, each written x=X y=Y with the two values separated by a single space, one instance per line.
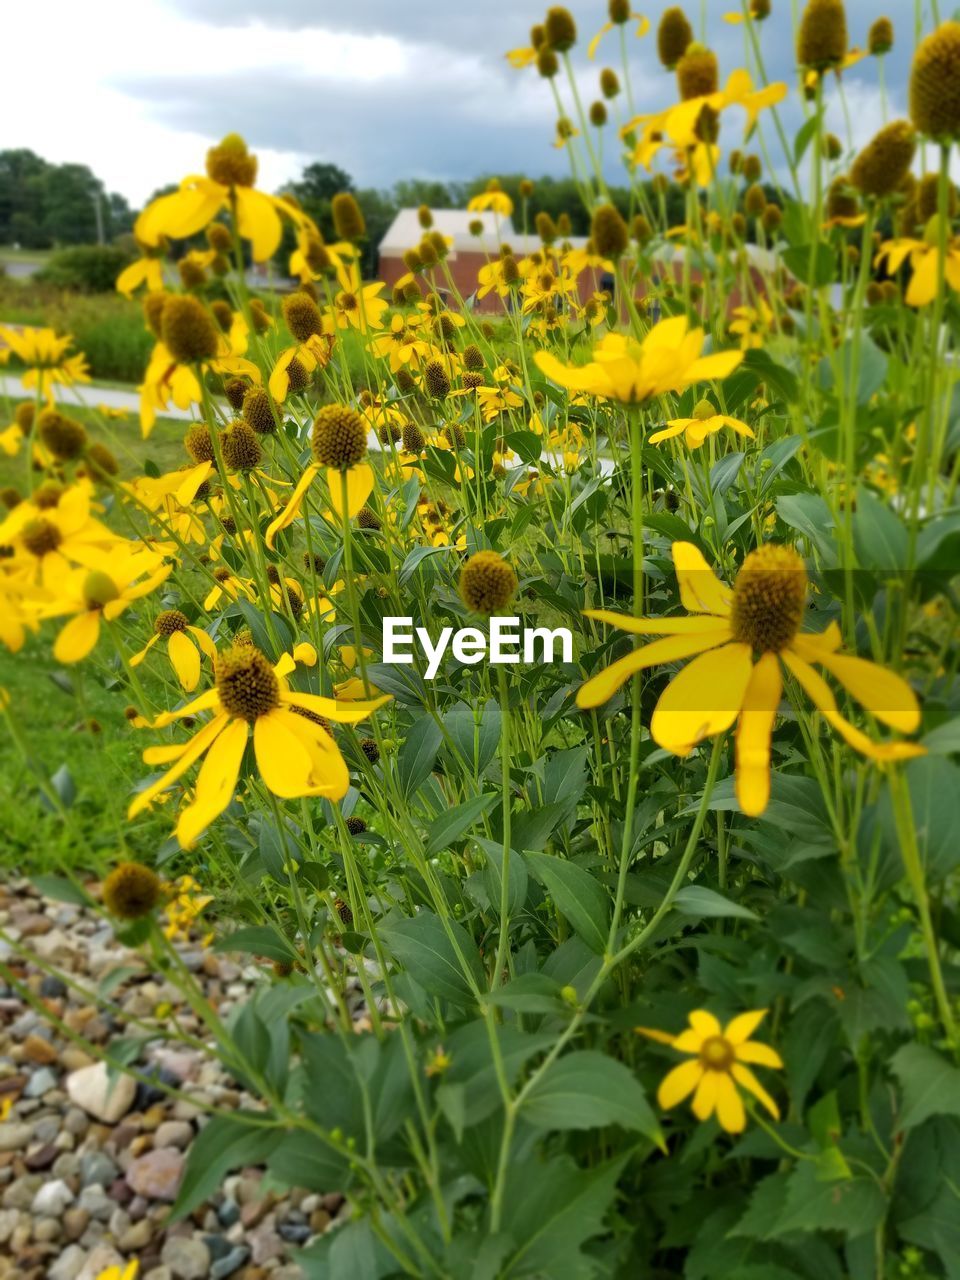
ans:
x=42 y=204
x=320 y=182
x=21 y=198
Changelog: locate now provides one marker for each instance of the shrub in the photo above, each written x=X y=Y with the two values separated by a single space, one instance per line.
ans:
x=87 y=268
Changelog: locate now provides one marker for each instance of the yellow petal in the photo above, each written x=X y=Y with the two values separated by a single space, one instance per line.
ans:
x=742 y=1027
x=705 y=1099
x=78 y=637
x=818 y=691
x=923 y=283
x=358 y=481
x=730 y=1110
x=185 y=660
x=216 y=782
x=193 y=750
x=258 y=222
x=882 y=692
x=701 y=591
x=703 y=1023
x=139 y=657
x=592 y=46
x=331 y=709
x=292 y=509
x=282 y=759
x=305 y=654
x=588 y=377
x=601 y=687
x=753 y=735
x=675 y=427
x=745 y=1077
x=679 y=1083
x=759 y=1054
x=713 y=368
x=205 y=702
x=703 y=699
x=655 y=626
x=329 y=775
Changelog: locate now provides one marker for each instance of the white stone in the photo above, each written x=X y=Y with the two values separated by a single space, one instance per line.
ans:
x=51 y=1200
x=100 y=1096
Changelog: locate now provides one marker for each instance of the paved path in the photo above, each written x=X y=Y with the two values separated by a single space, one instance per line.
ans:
x=91 y=396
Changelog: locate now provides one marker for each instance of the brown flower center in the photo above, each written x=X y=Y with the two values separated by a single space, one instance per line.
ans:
x=716 y=1054
x=246 y=683
x=768 y=598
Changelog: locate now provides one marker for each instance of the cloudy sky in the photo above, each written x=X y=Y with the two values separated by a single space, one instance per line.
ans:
x=138 y=89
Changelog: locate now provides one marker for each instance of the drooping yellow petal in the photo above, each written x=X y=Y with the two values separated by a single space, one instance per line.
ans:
x=185 y=660
x=193 y=750
x=601 y=687
x=292 y=509
x=216 y=783
x=204 y=641
x=885 y=694
x=358 y=481
x=819 y=693
x=754 y=730
x=588 y=377
x=137 y=658
x=703 y=699
x=675 y=427
x=923 y=283
x=331 y=709
x=329 y=776
x=655 y=626
x=701 y=591
x=679 y=1083
x=592 y=46
x=258 y=222
x=745 y=1077
x=282 y=759
x=730 y=1110
x=205 y=702
x=78 y=637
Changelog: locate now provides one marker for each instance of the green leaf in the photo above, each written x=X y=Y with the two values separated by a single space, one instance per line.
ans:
x=493 y=876
x=529 y=993
x=532 y=828
x=224 y=1143
x=261 y=634
x=585 y=1089
x=552 y=1209
x=930 y=1085
x=415 y=559
x=811 y=264
x=879 y=535
x=422 y=946
x=809 y=514
x=450 y=826
x=578 y=896
x=60 y=889
x=853 y=1206
x=476 y=738
x=934 y=785
x=698 y=900
x=418 y=754
x=300 y=1159
x=257 y=940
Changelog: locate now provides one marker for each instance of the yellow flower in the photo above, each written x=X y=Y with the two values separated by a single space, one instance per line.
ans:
x=705 y=422
x=717 y=1065
x=147 y=270
x=403 y=344
x=523 y=57
x=166 y=380
x=295 y=755
x=48 y=541
x=726 y=628
x=357 y=305
x=496 y=200
x=44 y=357
x=120 y=578
x=174 y=627
x=129 y=1272
x=231 y=172
x=643 y=26
x=925 y=264
x=668 y=359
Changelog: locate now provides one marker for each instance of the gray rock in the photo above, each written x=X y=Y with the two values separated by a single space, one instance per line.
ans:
x=100 y=1096
x=69 y=1265
x=41 y=1082
x=96 y=1202
x=51 y=1200
x=8 y=1222
x=14 y=1135
x=102 y=1257
x=137 y=1236
x=187 y=1258
x=174 y=1133
x=232 y=1262
x=96 y=1166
